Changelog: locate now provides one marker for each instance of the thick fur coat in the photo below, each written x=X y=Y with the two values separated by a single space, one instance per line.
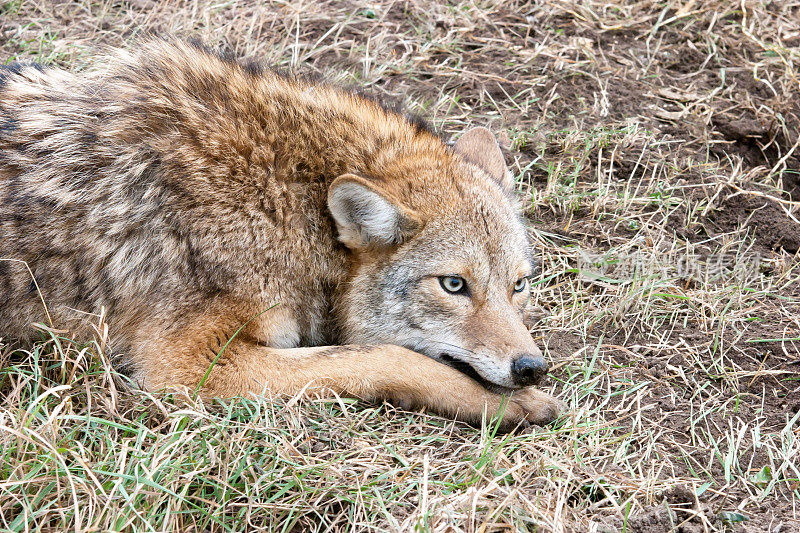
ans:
x=194 y=197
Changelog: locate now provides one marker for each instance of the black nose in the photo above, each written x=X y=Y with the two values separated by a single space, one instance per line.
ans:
x=528 y=369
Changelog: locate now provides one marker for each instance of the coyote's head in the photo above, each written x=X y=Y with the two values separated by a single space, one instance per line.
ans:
x=441 y=259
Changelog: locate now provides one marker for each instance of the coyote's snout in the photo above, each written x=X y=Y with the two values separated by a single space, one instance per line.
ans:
x=255 y=233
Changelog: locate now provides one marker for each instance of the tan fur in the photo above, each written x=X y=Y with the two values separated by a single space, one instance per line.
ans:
x=234 y=219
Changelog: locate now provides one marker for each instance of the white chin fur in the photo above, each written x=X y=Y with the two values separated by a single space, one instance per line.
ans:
x=481 y=364
x=493 y=375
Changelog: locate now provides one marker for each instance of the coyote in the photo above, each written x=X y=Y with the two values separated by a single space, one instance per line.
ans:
x=249 y=232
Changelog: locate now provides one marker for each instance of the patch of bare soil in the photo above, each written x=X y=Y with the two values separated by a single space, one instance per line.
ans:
x=764 y=219
x=679 y=516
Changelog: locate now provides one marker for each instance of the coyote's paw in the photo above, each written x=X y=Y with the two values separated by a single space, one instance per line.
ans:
x=535 y=406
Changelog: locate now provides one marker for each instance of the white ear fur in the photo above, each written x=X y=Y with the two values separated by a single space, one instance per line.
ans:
x=363 y=216
x=479 y=147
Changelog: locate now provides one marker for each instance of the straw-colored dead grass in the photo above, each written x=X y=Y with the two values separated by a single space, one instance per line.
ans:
x=656 y=144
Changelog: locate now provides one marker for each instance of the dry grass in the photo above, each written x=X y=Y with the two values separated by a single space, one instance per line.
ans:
x=656 y=145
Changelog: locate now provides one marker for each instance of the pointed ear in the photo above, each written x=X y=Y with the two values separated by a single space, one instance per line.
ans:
x=479 y=147
x=365 y=216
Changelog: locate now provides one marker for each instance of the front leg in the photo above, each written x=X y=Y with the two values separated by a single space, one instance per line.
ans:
x=384 y=372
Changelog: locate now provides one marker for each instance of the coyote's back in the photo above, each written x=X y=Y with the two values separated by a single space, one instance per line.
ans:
x=232 y=219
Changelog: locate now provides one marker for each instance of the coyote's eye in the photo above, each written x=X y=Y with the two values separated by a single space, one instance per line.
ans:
x=521 y=284
x=453 y=284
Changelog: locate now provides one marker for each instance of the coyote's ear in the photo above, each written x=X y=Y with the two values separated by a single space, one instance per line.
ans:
x=479 y=147
x=365 y=216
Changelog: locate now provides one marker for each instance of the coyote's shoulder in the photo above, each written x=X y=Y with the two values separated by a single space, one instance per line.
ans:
x=190 y=195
